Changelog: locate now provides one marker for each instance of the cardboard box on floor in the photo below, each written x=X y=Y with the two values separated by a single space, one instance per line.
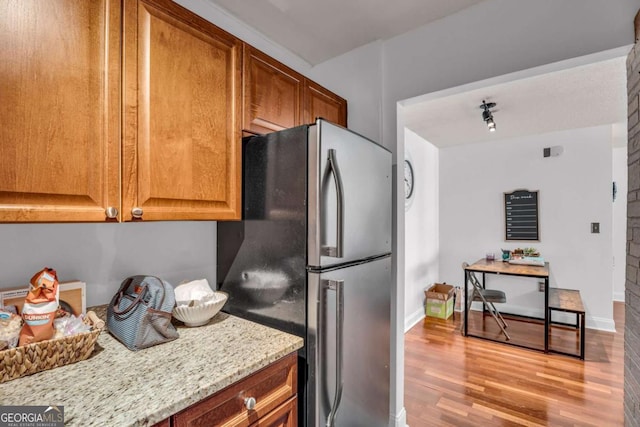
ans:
x=439 y=302
x=73 y=293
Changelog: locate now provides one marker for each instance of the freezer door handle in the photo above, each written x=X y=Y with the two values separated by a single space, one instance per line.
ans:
x=332 y=167
x=337 y=286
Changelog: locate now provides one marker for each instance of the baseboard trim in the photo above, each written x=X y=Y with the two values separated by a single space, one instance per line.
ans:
x=618 y=296
x=399 y=419
x=413 y=319
x=601 y=324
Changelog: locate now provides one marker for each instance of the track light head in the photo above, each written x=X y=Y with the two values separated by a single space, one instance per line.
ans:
x=487 y=116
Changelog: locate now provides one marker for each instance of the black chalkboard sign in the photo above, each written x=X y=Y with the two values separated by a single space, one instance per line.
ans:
x=521 y=215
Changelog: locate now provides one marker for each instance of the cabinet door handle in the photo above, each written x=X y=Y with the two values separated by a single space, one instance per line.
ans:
x=250 y=403
x=136 y=212
x=111 y=212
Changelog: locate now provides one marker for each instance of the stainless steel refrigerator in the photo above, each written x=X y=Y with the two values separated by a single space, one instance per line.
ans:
x=312 y=257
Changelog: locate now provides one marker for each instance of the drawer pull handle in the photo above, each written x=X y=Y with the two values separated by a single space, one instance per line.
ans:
x=136 y=212
x=111 y=212
x=250 y=403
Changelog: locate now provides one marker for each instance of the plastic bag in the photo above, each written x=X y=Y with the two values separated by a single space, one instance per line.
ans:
x=40 y=307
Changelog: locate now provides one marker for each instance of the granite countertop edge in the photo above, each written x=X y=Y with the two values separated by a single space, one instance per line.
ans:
x=119 y=387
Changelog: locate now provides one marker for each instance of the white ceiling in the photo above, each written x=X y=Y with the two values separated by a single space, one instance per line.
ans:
x=320 y=30
x=578 y=97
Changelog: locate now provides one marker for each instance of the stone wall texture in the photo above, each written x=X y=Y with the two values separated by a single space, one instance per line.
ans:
x=632 y=291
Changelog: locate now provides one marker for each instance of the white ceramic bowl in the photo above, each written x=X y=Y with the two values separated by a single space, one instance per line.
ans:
x=199 y=315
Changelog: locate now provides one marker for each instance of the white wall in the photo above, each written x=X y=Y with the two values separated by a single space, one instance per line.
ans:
x=619 y=234
x=357 y=77
x=102 y=255
x=421 y=226
x=574 y=190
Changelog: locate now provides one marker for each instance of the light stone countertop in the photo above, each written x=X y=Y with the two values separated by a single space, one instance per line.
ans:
x=118 y=387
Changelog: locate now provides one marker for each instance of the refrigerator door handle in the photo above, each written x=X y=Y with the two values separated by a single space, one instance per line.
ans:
x=337 y=285
x=332 y=167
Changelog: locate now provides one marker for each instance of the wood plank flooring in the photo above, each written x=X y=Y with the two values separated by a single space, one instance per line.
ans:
x=457 y=381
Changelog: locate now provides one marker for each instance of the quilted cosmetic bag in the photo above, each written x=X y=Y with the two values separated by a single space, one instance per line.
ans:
x=139 y=315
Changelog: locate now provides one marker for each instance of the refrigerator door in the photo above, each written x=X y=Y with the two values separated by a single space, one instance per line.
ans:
x=349 y=191
x=348 y=341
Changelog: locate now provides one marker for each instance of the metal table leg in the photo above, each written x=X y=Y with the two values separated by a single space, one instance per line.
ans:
x=582 y=333
x=546 y=314
x=466 y=303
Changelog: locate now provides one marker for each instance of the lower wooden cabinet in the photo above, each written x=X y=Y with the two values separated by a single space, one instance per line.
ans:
x=286 y=415
x=271 y=392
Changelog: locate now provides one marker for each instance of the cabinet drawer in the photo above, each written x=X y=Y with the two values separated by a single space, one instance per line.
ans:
x=271 y=387
x=285 y=415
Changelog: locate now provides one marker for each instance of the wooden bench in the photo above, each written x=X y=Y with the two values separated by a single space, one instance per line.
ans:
x=569 y=301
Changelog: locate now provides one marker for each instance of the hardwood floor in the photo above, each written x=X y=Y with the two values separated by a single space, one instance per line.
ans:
x=457 y=381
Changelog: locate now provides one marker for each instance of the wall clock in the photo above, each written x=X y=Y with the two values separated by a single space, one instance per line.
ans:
x=408 y=179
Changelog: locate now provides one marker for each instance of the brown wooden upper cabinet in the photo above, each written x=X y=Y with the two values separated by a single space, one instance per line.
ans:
x=272 y=93
x=320 y=102
x=59 y=109
x=122 y=110
x=181 y=141
x=67 y=153
x=276 y=97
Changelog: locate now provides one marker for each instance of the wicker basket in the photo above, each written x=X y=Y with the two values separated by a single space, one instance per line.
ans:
x=29 y=359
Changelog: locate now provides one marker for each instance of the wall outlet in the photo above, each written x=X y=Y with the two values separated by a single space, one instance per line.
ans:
x=540 y=286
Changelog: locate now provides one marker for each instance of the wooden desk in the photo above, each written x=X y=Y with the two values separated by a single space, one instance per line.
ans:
x=504 y=268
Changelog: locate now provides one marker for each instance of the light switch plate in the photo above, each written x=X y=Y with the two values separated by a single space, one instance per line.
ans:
x=595 y=227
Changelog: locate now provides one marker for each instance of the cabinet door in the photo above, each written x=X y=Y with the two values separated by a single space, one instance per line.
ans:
x=59 y=109
x=182 y=143
x=271 y=387
x=320 y=102
x=272 y=93
x=286 y=415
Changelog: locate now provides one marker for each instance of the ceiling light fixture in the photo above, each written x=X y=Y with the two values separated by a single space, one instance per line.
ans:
x=487 y=116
